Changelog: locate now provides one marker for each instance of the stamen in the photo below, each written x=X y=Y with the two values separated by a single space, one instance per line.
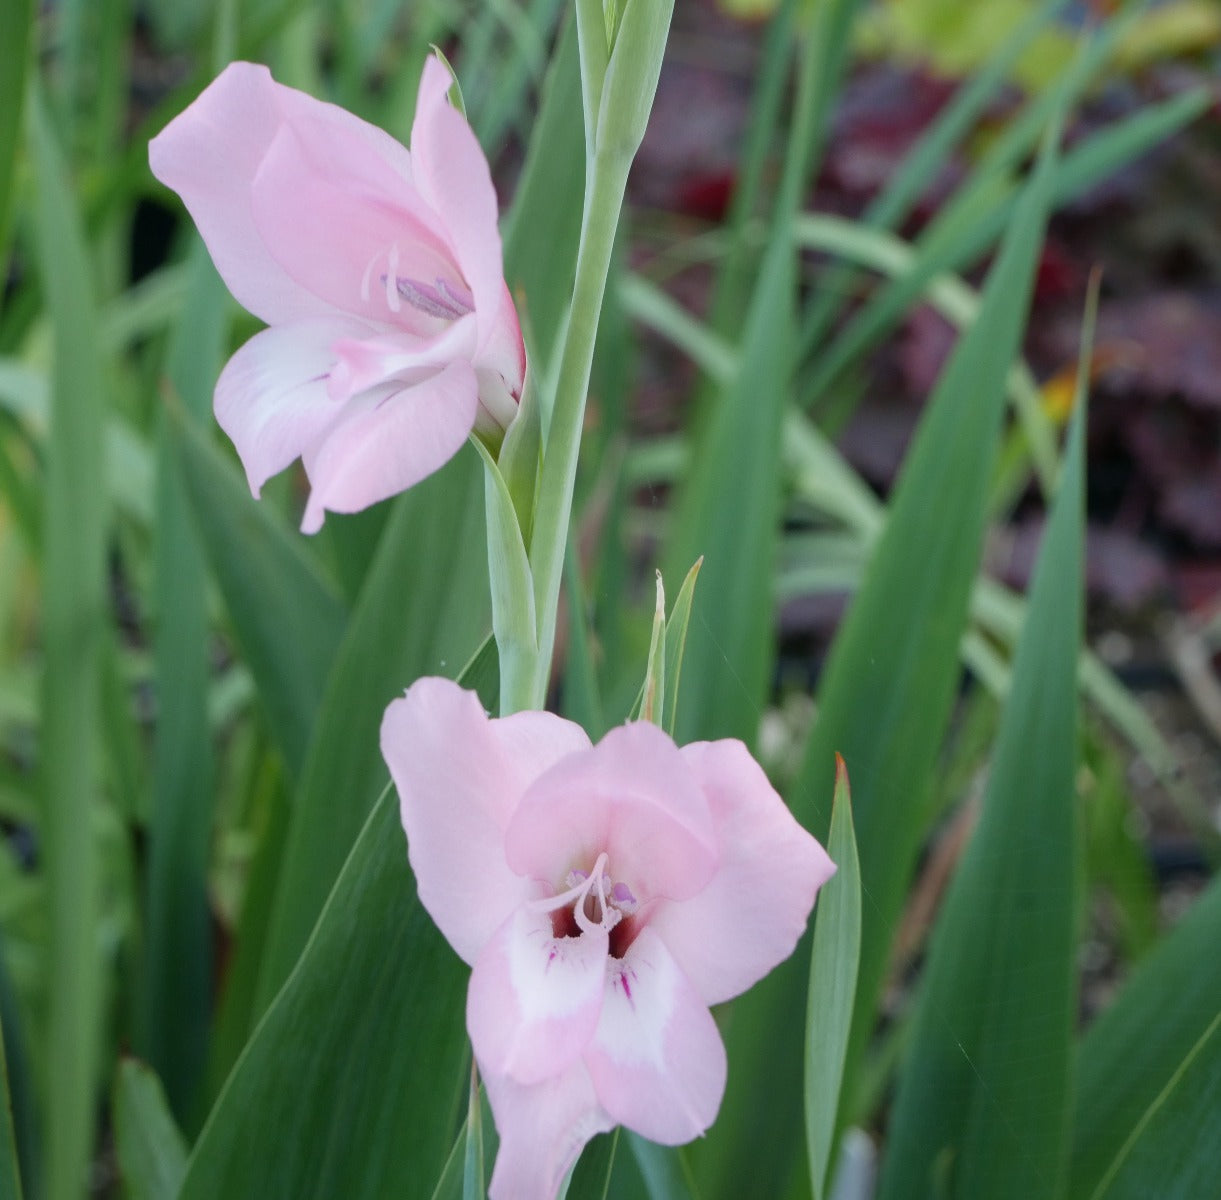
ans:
x=442 y=301
x=392 y=295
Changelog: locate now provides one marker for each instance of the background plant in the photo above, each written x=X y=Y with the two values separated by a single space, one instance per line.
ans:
x=196 y=871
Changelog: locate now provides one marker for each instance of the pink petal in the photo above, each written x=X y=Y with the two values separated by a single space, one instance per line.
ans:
x=329 y=209
x=534 y=998
x=632 y=796
x=543 y=1128
x=388 y=439
x=366 y=362
x=452 y=175
x=210 y=155
x=657 y=1061
x=459 y=777
x=271 y=398
x=752 y=913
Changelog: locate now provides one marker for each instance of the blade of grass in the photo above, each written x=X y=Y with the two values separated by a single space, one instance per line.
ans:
x=73 y=628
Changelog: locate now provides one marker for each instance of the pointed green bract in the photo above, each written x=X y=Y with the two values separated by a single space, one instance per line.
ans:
x=513 y=620
x=984 y=1097
x=833 y=965
x=653 y=696
x=676 y=642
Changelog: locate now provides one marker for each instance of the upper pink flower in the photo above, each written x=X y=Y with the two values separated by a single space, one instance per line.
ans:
x=605 y=896
x=392 y=333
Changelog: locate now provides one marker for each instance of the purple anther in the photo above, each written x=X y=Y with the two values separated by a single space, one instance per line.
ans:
x=444 y=300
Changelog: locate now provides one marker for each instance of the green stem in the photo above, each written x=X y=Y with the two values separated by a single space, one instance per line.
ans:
x=603 y=200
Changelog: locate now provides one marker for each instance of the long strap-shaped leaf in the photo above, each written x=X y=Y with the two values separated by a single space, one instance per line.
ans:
x=983 y=1102
x=178 y=943
x=1145 y=1117
x=890 y=679
x=423 y=610
x=73 y=628
x=352 y=1084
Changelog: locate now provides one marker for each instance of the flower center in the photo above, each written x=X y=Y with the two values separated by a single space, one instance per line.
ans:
x=592 y=901
x=442 y=298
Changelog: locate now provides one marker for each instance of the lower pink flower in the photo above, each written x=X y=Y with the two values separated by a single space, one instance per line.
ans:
x=605 y=896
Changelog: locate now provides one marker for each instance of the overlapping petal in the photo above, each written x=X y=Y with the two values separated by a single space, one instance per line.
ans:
x=542 y=1127
x=211 y=154
x=749 y=917
x=459 y=777
x=535 y=998
x=272 y=398
x=657 y=1060
x=387 y=439
x=631 y=796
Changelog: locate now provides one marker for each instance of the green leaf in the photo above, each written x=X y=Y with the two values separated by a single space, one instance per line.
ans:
x=352 y=1083
x=472 y=1173
x=1174 y=1152
x=74 y=608
x=287 y=618
x=591 y=1177
x=10 y=1174
x=1144 y=1072
x=833 y=965
x=16 y=46
x=423 y=610
x=544 y=227
x=729 y=646
x=452 y=1184
x=984 y=1094
x=661 y=1168
x=581 y=695
x=889 y=683
x=178 y=941
x=151 y=1150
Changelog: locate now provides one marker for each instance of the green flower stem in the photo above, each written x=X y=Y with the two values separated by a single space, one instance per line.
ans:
x=606 y=182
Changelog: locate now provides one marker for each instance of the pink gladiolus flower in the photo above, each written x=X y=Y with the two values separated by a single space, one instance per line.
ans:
x=392 y=334
x=605 y=896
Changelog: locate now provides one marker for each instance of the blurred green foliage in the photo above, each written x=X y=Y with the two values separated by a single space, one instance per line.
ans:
x=198 y=861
